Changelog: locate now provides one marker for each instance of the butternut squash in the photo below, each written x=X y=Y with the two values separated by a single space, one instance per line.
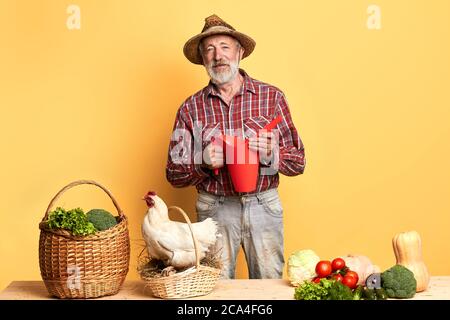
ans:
x=408 y=252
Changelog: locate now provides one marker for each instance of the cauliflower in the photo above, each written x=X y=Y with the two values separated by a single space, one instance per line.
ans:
x=399 y=282
x=301 y=266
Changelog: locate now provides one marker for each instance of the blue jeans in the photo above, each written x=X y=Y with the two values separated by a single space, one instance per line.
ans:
x=253 y=221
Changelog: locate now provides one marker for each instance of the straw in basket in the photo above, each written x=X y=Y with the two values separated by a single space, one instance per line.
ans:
x=196 y=281
x=84 y=267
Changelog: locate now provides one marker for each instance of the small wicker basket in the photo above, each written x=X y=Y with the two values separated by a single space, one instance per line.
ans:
x=84 y=267
x=199 y=280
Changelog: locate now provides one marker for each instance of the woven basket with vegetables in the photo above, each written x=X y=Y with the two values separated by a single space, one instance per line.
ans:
x=83 y=255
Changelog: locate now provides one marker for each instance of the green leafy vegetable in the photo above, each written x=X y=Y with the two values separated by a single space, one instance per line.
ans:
x=381 y=294
x=301 y=266
x=369 y=294
x=358 y=293
x=399 y=282
x=339 y=291
x=101 y=219
x=311 y=291
x=73 y=220
x=325 y=290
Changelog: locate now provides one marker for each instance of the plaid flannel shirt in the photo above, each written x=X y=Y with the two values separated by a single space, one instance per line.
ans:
x=251 y=109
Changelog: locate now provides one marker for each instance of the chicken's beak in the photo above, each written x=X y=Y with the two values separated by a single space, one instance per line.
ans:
x=150 y=202
x=148 y=199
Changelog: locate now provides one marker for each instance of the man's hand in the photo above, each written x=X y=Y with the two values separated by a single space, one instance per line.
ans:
x=264 y=144
x=213 y=156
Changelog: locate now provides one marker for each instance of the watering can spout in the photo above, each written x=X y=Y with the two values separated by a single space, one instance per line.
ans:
x=272 y=124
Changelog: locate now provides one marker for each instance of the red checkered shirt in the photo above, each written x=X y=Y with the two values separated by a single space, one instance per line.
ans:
x=254 y=106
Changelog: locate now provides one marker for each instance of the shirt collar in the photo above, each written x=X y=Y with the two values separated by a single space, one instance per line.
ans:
x=247 y=85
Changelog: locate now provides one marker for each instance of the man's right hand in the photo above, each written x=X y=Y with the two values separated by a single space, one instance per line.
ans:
x=213 y=156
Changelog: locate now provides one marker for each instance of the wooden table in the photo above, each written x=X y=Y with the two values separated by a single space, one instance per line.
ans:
x=239 y=289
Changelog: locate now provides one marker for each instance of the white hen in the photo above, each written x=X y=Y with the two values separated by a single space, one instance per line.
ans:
x=171 y=241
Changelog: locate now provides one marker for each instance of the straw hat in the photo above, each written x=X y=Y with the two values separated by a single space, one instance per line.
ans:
x=215 y=25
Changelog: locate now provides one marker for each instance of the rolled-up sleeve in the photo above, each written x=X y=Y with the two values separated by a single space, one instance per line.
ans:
x=292 y=152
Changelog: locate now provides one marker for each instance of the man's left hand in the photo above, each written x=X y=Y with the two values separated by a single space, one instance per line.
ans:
x=264 y=144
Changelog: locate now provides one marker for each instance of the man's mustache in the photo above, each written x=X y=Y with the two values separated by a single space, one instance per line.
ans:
x=224 y=63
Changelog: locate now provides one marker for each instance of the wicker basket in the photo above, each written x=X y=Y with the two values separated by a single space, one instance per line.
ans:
x=84 y=267
x=199 y=280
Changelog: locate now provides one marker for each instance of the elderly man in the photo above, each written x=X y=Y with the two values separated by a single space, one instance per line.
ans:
x=235 y=104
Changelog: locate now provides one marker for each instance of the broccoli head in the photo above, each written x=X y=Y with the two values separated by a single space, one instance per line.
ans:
x=101 y=219
x=399 y=282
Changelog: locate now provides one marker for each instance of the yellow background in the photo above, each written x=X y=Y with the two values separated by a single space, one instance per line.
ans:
x=372 y=108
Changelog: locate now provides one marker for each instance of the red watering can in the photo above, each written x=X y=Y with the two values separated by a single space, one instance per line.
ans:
x=243 y=163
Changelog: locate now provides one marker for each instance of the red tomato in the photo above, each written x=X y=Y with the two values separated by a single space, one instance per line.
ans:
x=323 y=268
x=352 y=274
x=316 y=280
x=337 y=264
x=350 y=281
x=338 y=277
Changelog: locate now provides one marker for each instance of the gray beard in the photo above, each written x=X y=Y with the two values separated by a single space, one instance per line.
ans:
x=224 y=76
